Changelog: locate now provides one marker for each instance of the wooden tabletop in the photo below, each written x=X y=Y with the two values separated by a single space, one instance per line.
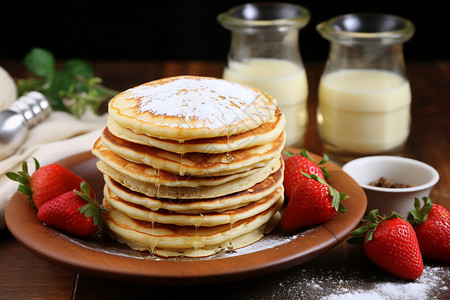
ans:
x=341 y=271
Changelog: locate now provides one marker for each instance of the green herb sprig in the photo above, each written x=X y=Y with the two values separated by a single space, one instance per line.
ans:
x=72 y=89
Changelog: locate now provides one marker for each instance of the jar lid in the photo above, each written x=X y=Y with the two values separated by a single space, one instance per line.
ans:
x=252 y=17
x=367 y=28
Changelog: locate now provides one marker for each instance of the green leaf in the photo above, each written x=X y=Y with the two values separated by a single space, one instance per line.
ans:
x=418 y=215
x=336 y=197
x=40 y=62
x=36 y=164
x=394 y=215
x=428 y=204
x=25 y=168
x=370 y=223
x=25 y=189
x=369 y=235
x=30 y=84
x=305 y=153
x=415 y=214
x=63 y=81
x=372 y=216
x=287 y=153
x=72 y=89
x=362 y=230
x=79 y=67
x=85 y=188
x=98 y=219
x=417 y=204
x=324 y=159
x=359 y=233
x=13 y=176
x=23 y=180
x=325 y=173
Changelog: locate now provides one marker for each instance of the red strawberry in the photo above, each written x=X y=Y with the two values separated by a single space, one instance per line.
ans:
x=46 y=183
x=73 y=212
x=432 y=226
x=313 y=202
x=390 y=243
x=296 y=164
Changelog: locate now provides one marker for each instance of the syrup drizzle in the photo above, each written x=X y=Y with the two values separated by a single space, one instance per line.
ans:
x=230 y=237
x=152 y=241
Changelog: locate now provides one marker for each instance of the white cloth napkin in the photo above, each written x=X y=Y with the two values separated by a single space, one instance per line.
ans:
x=59 y=136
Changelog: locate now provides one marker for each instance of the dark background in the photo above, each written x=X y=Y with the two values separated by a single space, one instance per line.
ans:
x=186 y=30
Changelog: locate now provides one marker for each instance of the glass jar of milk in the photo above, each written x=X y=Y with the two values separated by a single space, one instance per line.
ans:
x=265 y=54
x=364 y=94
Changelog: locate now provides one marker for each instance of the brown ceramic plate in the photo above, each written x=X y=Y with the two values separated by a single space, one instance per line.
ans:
x=103 y=257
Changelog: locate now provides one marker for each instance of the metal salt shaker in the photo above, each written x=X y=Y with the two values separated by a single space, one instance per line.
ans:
x=16 y=120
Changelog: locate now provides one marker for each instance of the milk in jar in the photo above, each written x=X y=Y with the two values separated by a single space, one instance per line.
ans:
x=265 y=54
x=283 y=80
x=364 y=111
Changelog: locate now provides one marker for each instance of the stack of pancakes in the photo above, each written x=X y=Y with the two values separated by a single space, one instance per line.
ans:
x=192 y=165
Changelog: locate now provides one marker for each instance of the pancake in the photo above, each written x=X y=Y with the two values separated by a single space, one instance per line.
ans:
x=196 y=206
x=195 y=164
x=238 y=242
x=206 y=219
x=180 y=192
x=262 y=134
x=191 y=107
x=149 y=174
x=172 y=240
x=192 y=166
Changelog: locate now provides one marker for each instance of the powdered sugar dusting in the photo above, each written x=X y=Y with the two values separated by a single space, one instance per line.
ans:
x=344 y=284
x=429 y=284
x=211 y=101
x=318 y=279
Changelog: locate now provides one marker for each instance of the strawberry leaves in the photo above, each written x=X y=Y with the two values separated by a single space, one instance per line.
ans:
x=23 y=177
x=324 y=159
x=305 y=154
x=90 y=209
x=371 y=220
x=420 y=214
x=337 y=196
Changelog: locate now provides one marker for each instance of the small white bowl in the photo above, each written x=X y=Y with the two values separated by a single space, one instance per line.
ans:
x=396 y=169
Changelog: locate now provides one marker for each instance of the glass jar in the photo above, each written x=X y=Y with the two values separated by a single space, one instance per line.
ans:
x=265 y=54
x=364 y=94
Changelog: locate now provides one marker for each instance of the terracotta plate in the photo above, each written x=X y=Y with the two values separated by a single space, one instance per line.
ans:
x=103 y=257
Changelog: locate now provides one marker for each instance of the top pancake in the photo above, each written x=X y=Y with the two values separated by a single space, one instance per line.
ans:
x=260 y=135
x=191 y=107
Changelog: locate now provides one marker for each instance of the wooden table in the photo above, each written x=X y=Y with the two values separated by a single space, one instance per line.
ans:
x=342 y=270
